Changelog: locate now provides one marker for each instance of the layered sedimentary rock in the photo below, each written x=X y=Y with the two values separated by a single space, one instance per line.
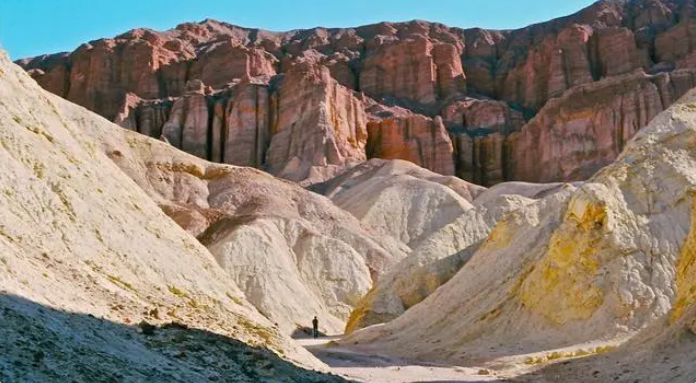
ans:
x=676 y=45
x=417 y=65
x=610 y=260
x=413 y=69
x=241 y=127
x=482 y=158
x=397 y=134
x=478 y=129
x=50 y=71
x=319 y=126
x=223 y=61
x=187 y=126
x=476 y=115
x=86 y=255
x=574 y=136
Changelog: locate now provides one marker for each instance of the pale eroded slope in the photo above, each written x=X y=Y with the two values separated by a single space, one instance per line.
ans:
x=603 y=264
x=400 y=199
x=442 y=219
x=80 y=241
x=293 y=253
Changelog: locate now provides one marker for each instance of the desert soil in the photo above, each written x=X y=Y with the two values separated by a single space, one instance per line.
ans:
x=361 y=366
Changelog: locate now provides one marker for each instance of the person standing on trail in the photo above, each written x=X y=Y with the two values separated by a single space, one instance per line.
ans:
x=315 y=327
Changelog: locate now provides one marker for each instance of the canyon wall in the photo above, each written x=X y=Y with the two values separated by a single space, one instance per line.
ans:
x=568 y=93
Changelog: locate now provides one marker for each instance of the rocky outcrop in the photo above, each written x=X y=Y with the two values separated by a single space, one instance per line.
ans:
x=50 y=71
x=187 y=126
x=220 y=62
x=574 y=136
x=676 y=45
x=242 y=127
x=413 y=69
x=479 y=130
x=483 y=159
x=427 y=68
x=478 y=116
x=396 y=133
x=319 y=126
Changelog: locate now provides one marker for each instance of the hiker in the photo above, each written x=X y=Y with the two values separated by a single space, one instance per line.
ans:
x=315 y=327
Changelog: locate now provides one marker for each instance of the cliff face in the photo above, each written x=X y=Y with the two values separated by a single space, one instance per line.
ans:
x=486 y=85
x=577 y=134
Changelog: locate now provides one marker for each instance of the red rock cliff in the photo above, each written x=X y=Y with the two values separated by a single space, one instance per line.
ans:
x=566 y=93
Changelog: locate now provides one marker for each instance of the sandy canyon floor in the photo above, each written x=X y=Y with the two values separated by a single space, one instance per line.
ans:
x=368 y=367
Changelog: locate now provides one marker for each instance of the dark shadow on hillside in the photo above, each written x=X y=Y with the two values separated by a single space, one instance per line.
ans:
x=41 y=344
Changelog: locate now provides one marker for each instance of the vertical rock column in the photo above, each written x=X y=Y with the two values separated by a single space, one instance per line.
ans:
x=412 y=137
x=246 y=126
x=187 y=127
x=319 y=126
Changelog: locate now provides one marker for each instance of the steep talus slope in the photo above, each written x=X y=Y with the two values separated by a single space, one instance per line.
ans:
x=85 y=255
x=612 y=259
x=554 y=101
x=293 y=253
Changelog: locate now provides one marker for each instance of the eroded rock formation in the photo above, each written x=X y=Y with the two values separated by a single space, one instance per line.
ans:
x=398 y=134
x=504 y=77
x=612 y=259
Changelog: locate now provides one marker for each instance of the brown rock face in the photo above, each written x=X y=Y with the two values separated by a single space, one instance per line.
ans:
x=400 y=135
x=152 y=115
x=224 y=61
x=50 y=71
x=187 y=126
x=677 y=44
x=102 y=72
x=245 y=130
x=262 y=110
x=413 y=69
x=569 y=65
x=475 y=115
x=479 y=129
x=319 y=126
x=617 y=52
x=574 y=136
x=484 y=159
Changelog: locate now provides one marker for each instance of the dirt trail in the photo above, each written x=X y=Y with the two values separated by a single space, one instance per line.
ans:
x=370 y=368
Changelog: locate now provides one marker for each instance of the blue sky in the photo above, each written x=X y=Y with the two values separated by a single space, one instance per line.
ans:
x=32 y=27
